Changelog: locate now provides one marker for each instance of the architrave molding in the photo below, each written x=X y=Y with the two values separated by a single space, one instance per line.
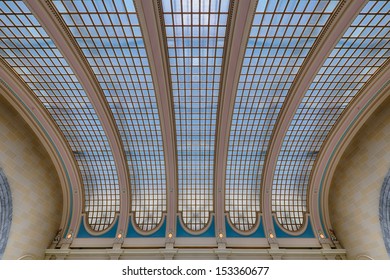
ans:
x=188 y=253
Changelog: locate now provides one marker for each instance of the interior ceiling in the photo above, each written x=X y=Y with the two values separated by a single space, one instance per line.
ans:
x=193 y=113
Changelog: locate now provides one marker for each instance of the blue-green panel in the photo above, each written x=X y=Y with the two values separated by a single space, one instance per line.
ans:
x=308 y=233
x=131 y=233
x=230 y=232
x=181 y=232
x=83 y=233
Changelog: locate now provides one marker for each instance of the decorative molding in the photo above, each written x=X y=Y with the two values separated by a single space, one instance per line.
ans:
x=363 y=257
x=28 y=257
x=182 y=253
x=150 y=232
x=196 y=233
x=248 y=232
x=302 y=229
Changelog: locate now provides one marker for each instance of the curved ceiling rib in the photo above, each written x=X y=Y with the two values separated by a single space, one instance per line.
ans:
x=151 y=25
x=337 y=24
x=17 y=92
x=281 y=36
x=110 y=37
x=27 y=48
x=243 y=11
x=368 y=99
x=195 y=33
x=360 y=52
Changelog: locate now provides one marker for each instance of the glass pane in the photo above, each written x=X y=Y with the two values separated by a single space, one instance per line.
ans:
x=195 y=32
x=281 y=36
x=110 y=37
x=357 y=56
x=34 y=56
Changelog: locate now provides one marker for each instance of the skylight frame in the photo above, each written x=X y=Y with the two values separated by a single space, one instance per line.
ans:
x=110 y=36
x=317 y=114
x=274 y=53
x=27 y=48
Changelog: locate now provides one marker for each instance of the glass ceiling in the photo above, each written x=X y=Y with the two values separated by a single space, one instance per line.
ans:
x=27 y=48
x=361 y=51
x=281 y=36
x=109 y=34
x=195 y=33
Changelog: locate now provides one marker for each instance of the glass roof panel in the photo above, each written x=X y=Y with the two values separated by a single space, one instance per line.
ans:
x=195 y=32
x=281 y=36
x=361 y=51
x=27 y=48
x=109 y=34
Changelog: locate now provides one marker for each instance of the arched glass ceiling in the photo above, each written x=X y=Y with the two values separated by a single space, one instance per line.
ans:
x=281 y=36
x=26 y=47
x=195 y=32
x=109 y=34
x=361 y=51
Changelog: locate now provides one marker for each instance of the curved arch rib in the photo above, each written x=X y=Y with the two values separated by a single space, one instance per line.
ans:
x=149 y=20
x=369 y=98
x=115 y=49
x=356 y=56
x=17 y=92
x=98 y=150
x=346 y=12
x=280 y=38
x=238 y=34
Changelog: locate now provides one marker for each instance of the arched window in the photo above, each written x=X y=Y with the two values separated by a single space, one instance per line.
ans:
x=384 y=211
x=5 y=211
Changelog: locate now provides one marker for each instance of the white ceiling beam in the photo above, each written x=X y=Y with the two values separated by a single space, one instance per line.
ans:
x=338 y=24
x=243 y=12
x=149 y=18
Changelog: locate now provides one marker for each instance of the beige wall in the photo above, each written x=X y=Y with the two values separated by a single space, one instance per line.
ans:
x=35 y=187
x=354 y=195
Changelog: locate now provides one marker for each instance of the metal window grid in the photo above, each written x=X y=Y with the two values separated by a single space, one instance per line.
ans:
x=361 y=51
x=26 y=47
x=110 y=36
x=281 y=36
